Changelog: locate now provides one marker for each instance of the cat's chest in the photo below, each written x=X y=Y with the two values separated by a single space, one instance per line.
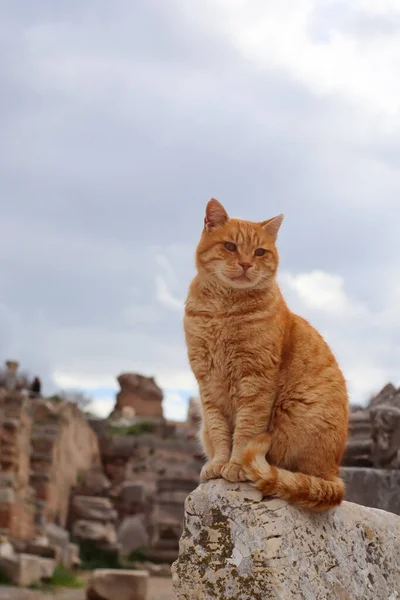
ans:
x=224 y=333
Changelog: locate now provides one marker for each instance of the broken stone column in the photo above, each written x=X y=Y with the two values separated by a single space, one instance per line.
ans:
x=11 y=374
x=236 y=547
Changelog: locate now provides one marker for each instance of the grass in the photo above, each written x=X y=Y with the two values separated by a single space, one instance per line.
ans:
x=133 y=430
x=62 y=577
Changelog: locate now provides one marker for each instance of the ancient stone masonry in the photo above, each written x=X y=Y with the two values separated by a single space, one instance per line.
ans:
x=43 y=448
x=141 y=394
x=150 y=478
x=371 y=465
x=16 y=496
x=63 y=447
x=236 y=547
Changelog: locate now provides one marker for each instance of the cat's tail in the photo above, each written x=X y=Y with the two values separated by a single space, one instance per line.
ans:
x=306 y=491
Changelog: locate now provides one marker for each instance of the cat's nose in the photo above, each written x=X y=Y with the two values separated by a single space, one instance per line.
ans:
x=246 y=266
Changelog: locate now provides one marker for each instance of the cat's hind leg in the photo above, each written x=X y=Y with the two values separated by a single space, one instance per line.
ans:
x=206 y=442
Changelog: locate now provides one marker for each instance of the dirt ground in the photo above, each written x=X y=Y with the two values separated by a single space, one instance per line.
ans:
x=159 y=589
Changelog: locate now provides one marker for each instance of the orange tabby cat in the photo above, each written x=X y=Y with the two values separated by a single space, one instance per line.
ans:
x=271 y=389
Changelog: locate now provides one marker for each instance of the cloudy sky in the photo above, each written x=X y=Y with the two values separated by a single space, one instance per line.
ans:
x=119 y=120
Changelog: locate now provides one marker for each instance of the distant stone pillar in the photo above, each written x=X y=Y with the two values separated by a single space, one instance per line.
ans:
x=11 y=374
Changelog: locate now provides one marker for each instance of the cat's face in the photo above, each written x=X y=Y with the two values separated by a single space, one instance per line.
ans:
x=239 y=254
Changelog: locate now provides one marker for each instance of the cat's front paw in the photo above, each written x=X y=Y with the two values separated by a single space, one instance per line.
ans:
x=211 y=470
x=233 y=472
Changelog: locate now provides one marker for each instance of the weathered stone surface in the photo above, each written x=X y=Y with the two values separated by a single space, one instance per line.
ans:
x=237 y=547
x=6 y=549
x=58 y=537
x=93 y=508
x=385 y=425
x=93 y=483
x=377 y=488
x=44 y=550
x=27 y=569
x=374 y=432
x=133 y=535
x=108 y=584
x=103 y=533
x=72 y=560
x=359 y=446
x=155 y=570
x=71 y=449
x=140 y=393
x=388 y=396
x=133 y=494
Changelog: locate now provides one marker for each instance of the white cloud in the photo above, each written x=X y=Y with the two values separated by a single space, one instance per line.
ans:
x=175 y=406
x=323 y=291
x=83 y=381
x=165 y=297
x=359 y=336
x=101 y=406
x=280 y=35
x=111 y=146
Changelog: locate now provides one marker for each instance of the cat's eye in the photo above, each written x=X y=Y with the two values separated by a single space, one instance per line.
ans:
x=230 y=246
x=260 y=252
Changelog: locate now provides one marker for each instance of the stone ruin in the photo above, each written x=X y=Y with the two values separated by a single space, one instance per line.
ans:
x=237 y=546
x=150 y=477
x=371 y=464
x=140 y=395
x=43 y=448
x=65 y=476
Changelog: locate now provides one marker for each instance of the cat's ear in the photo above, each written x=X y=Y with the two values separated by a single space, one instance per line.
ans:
x=272 y=225
x=216 y=215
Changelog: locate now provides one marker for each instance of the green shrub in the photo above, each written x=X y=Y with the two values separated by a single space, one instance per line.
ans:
x=55 y=398
x=92 y=557
x=139 y=555
x=63 y=577
x=4 y=579
x=136 y=429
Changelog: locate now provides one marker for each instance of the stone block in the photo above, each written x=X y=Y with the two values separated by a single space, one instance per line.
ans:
x=93 y=483
x=133 y=535
x=25 y=569
x=72 y=560
x=236 y=546
x=133 y=493
x=93 y=508
x=109 y=584
x=58 y=537
x=377 y=488
x=43 y=550
x=103 y=533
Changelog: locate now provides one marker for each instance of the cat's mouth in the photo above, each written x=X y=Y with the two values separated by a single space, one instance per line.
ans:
x=242 y=280
x=242 y=277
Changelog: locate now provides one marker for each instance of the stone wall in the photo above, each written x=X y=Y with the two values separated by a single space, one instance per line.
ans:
x=371 y=464
x=64 y=446
x=237 y=547
x=16 y=496
x=149 y=478
x=44 y=447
